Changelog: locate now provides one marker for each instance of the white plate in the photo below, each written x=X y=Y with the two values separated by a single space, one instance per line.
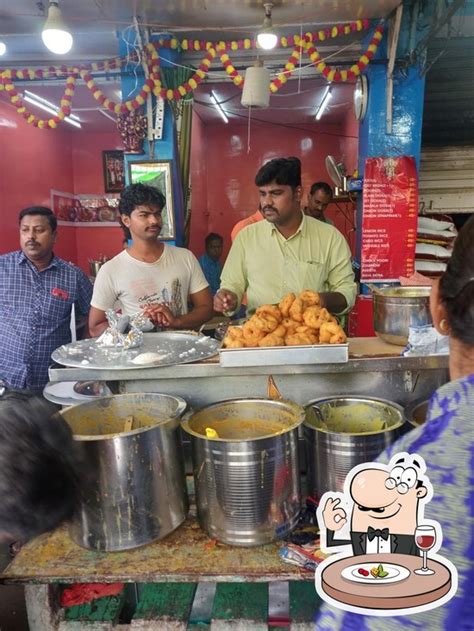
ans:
x=63 y=393
x=396 y=573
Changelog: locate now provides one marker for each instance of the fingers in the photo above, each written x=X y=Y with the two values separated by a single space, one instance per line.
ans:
x=225 y=300
x=339 y=516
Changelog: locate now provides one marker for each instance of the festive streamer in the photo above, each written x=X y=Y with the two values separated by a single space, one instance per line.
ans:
x=153 y=84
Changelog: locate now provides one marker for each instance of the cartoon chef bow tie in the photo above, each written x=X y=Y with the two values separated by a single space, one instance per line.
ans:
x=376 y=532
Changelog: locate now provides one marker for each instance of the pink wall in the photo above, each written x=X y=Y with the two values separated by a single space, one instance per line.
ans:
x=231 y=193
x=32 y=161
x=88 y=178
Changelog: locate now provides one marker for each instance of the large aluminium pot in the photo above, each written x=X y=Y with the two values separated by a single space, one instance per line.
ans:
x=134 y=489
x=342 y=432
x=396 y=309
x=247 y=478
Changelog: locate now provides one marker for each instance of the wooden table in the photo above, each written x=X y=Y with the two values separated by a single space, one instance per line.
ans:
x=414 y=591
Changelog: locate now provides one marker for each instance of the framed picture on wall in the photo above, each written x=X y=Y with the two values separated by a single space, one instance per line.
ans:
x=157 y=173
x=114 y=171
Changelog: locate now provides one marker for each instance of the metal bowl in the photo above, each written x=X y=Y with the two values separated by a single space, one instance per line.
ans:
x=396 y=309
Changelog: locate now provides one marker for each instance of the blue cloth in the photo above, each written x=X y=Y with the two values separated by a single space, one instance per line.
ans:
x=446 y=442
x=35 y=311
x=212 y=271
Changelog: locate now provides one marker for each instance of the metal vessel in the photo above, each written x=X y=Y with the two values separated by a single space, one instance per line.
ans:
x=396 y=309
x=133 y=488
x=247 y=489
x=415 y=412
x=332 y=454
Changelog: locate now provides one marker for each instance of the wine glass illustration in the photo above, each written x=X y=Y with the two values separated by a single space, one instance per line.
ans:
x=425 y=538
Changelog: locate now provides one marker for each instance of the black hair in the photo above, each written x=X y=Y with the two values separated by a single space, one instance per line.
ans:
x=140 y=195
x=321 y=186
x=456 y=287
x=38 y=467
x=44 y=211
x=285 y=171
x=213 y=236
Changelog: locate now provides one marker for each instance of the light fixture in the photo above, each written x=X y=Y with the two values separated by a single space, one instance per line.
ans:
x=3 y=49
x=55 y=35
x=256 y=92
x=324 y=103
x=266 y=36
x=218 y=107
x=49 y=107
x=107 y=115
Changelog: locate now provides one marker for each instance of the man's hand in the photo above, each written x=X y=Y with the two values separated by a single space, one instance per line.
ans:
x=225 y=300
x=334 y=518
x=161 y=315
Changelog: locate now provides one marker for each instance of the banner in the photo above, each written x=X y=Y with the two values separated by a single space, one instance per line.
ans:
x=85 y=210
x=389 y=219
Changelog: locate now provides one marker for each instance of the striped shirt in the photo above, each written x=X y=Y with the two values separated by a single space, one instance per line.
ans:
x=446 y=442
x=35 y=311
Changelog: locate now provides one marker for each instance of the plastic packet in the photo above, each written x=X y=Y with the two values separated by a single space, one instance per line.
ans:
x=425 y=340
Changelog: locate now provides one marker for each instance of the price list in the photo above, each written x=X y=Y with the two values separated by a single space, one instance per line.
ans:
x=389 y=219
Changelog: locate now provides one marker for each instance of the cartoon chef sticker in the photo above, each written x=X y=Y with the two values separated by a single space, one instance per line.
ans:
x=377 y=527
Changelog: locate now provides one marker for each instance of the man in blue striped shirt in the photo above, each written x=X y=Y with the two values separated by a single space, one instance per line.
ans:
x=37 y=292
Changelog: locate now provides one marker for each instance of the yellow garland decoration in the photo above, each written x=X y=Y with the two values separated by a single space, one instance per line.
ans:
x=153 y=82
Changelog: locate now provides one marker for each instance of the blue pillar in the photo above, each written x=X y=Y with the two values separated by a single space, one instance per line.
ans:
x=166 y=148
x=407 y=101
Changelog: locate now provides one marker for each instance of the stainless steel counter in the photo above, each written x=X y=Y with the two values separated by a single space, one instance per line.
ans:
x=400 y=379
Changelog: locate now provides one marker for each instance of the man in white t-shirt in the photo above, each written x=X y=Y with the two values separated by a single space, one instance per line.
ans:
x=150 y=276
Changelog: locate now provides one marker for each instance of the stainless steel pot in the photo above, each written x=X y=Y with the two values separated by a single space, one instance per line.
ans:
x=398 y=308
x=341 y=432
x=247 y=489
x=134 y=489
x=415 y=412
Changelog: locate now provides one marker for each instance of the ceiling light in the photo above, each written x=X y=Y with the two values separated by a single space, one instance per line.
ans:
x=266 y=37
x=3 y=49
x=49 y=107
x=324 y=103
x=55 y=35
x=218 y=107
x=107 y=115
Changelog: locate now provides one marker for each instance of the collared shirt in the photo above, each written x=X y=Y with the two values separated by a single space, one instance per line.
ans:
x=267 y=266
x=35 y=311
x=446 y=443
x=212 y=271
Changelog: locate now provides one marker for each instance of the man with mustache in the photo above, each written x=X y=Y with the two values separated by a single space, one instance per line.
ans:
x=289 y=252
x=37 y=292
x=150 y=276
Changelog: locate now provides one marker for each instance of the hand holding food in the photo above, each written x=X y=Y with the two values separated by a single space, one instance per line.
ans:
x=296 y=321
x=225 y=300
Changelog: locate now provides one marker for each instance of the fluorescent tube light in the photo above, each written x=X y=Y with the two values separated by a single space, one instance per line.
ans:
x=218 y=107
x=324 y=103
x=3 y=49
x=107 y=115
x=50 y=108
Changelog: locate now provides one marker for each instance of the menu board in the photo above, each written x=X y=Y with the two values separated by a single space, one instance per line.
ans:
x=389 y=219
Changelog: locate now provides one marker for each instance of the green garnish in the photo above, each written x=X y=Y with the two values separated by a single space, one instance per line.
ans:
x=381 y=573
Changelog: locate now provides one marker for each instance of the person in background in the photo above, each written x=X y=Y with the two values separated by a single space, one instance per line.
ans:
x=319 y=197
x=39 y=468
x=243 y=223
x=288 y=252
x=210 y=263
x=446 y=442
x=150 y=276
x=37 y=293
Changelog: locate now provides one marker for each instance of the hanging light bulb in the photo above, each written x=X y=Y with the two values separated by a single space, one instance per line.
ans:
x=3 y=49
x=266 y=37
x=55 y=35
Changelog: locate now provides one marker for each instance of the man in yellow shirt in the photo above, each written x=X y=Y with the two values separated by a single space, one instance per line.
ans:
x=287 y=252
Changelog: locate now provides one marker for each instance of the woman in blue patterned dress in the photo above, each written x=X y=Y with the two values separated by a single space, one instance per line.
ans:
x=446 y=442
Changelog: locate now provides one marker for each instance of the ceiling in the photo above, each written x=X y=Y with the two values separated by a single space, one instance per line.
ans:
x=95 y=25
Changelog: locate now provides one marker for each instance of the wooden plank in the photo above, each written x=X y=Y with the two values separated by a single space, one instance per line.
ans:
x=165 y=601
x=241 y=602
x=105 y=609
x=304 y=602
